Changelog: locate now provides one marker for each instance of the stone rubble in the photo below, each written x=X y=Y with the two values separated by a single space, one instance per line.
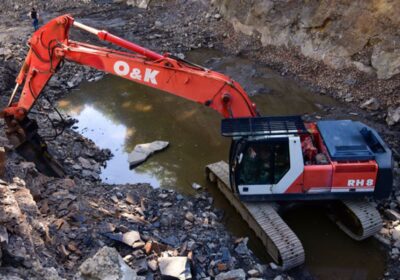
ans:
x=73 y=220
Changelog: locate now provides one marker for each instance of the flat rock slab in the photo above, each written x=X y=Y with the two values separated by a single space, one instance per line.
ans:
x=142 y=151
x=176 y=267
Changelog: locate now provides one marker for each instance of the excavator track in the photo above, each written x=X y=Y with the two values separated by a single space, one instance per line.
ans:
x=280 y=241
x=358 y=219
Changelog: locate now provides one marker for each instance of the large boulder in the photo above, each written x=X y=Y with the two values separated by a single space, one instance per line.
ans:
x=386 y=62
x=106 y=264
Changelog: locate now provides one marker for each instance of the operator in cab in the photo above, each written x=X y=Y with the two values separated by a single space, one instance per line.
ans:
x=255 y=167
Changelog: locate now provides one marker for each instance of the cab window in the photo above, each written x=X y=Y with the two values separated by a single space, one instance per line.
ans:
x=263 y=162
x=281 y=160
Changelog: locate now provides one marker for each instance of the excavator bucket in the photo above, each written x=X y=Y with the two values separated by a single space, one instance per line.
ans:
x=30 y=145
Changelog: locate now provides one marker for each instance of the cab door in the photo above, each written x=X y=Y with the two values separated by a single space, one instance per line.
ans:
x=237 y=147
x=266 y=166
x=259 y=164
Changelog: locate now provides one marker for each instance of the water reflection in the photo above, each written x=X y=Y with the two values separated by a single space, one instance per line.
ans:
x=109 y=134
x=330 y=254
x=118 y=115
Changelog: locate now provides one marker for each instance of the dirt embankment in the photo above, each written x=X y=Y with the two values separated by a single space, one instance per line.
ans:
x=49 y=227
x=349 y=49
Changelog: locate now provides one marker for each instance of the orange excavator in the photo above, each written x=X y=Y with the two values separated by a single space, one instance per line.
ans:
x=271 y=158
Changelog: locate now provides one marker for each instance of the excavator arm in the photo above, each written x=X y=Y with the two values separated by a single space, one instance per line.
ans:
x=50 y=46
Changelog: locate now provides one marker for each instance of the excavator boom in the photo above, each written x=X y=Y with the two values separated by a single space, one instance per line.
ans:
x=50 y=45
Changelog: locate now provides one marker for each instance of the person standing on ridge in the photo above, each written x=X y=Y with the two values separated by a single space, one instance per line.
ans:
x=34 y=17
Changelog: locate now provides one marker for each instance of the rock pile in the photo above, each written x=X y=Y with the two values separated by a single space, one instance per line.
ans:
x=156 y=232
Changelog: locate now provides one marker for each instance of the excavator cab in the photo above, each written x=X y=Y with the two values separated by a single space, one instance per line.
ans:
x=265 y=154
x=284 y=158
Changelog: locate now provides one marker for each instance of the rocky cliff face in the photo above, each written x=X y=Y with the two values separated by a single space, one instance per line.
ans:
x=342 y=33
